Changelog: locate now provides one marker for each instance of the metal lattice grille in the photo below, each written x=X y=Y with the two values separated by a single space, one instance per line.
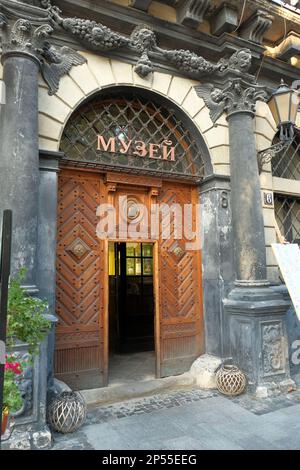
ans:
x=286 y=164
x=136 y=119
x=287 y=211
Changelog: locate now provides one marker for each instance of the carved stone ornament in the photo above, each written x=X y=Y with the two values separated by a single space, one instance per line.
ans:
x=273 y=353
x=57 y=62
x=78 y=249
x=91 y=33
x=143 y=41
x=237 y=95
x=265 y=156
x=192 y=12
x=23 y=37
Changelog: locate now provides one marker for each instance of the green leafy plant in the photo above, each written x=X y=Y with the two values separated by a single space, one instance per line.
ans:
x=25 y=321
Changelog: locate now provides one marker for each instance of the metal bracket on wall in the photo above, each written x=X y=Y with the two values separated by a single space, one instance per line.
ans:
x=266 y=155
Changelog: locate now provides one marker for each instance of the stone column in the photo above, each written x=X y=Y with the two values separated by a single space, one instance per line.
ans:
x=247 y=217
x=22 y=42
x=257 y=335
x=19 y=151
x=256 y=311
x=25 y=52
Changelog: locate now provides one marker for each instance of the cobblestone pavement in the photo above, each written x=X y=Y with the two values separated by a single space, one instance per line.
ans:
x=190 y=419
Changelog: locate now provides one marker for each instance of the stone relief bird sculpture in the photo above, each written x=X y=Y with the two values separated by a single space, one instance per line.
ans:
x=56 y=63
x=214 y=99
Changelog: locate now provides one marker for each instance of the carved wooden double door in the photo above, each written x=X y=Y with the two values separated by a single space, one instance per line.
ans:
x=81 y=353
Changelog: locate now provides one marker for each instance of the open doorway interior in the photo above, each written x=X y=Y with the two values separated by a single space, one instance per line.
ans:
x=131 y=312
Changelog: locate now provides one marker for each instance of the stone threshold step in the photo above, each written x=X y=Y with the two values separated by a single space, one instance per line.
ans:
x=139 y=389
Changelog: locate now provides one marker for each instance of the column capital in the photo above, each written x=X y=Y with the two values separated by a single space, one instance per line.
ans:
x=236 y=95
x=20 y=37
x=25 y=31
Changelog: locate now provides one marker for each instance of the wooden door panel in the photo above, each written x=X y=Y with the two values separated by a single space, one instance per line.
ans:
x=81 y=334
x=79 y=358
x=180 y=293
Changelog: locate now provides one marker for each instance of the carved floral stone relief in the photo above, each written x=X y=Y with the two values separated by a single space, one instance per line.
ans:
x=272 y=348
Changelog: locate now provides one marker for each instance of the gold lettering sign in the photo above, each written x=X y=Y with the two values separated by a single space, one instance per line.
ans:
x=164 y=151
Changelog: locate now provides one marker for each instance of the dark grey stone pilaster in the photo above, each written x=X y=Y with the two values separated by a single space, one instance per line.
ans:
x=47 y=216
x=217 y=261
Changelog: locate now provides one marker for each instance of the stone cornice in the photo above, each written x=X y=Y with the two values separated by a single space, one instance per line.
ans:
x=275 y=9
x=213 y=47
x=23 y=38
x=124 y=19
x=144 y=42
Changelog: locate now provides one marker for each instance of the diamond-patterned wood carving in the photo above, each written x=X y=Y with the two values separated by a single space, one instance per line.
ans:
x=78 y=248
x=79 y=280
x=81 y=345
x=181 y=311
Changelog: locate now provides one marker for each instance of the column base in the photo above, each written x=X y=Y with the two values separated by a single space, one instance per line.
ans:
x=258 y=339
x=273 y=389
x=28 y=438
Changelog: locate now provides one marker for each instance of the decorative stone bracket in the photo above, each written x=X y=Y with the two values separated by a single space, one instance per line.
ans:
x=192 y=12
x=256 y=26
x=141 y=4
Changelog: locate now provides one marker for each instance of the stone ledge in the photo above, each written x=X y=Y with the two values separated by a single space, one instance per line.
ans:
x=127 y=391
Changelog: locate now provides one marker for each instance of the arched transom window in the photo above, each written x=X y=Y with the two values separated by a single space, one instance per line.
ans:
x=132 y=132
